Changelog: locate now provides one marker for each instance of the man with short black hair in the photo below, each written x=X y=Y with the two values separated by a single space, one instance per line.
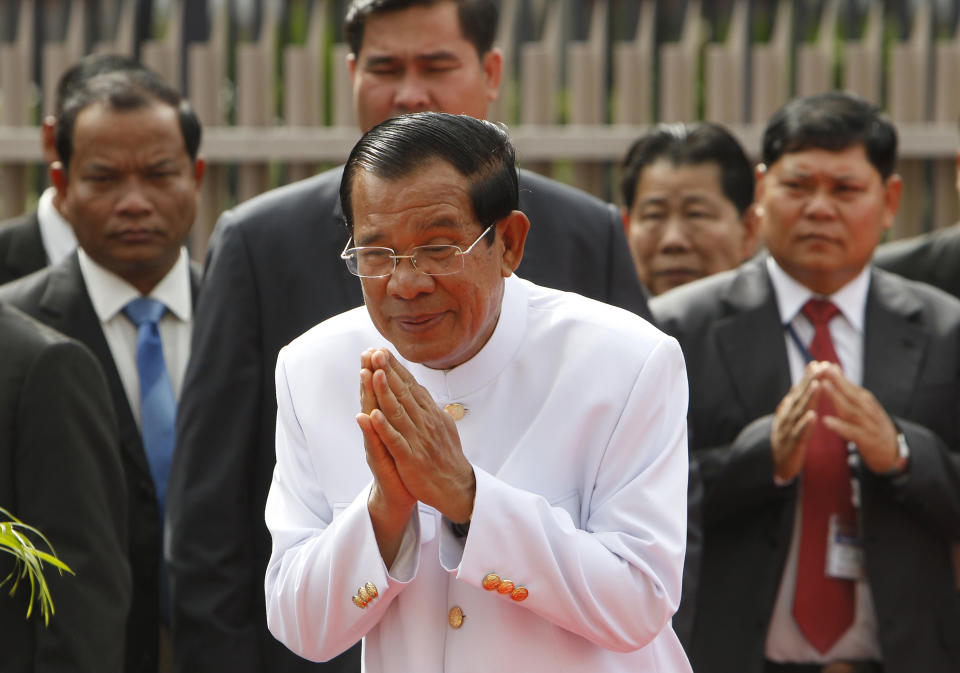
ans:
x=273 y=272
x=824 y=397
x=516 y=474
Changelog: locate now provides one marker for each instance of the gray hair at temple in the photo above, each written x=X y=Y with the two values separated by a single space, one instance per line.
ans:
x=479 y=150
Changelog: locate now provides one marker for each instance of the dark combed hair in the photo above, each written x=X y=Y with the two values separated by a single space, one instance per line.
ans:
x=686 y=145
x=832 y=121
x=478 y=19
x=124 y=90
x=479 y=150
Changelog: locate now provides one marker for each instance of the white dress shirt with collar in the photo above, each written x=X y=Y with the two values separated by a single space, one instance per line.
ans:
x=785 y=641
x=55 y=232
x=574 y=421
x=109 y=293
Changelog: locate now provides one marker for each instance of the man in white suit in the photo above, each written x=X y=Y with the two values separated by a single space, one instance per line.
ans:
x=511 y=495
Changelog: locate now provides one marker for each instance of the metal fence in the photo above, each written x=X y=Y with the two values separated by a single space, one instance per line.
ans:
x=583 y=79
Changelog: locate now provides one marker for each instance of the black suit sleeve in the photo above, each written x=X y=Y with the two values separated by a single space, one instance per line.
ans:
x=70 y=486
x=214 y=587
x=623 y=285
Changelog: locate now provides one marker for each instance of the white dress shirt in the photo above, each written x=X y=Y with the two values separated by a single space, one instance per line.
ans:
x=109 y=293
x=785 y=641
x=55 y=232
x=575 y=425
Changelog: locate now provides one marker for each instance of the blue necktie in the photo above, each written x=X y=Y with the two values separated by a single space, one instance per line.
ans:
x=158 y=408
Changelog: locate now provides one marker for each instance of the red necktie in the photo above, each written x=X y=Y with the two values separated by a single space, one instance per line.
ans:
x=823 y=606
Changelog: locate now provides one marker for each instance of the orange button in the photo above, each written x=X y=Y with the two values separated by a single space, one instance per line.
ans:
x=359 y=602
x=519 y=594
x=491 y=582
x=455 y=617
x=506 y=586
x=371 y=590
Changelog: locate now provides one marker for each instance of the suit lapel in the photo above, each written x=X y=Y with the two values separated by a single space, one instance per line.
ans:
x=750 y=341
x=894 y=343
x=68 y=308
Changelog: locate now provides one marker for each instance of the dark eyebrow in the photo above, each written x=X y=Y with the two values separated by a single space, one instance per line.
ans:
x=653 y=201
x=435 y=56
x=377 y=61
x=696 y=199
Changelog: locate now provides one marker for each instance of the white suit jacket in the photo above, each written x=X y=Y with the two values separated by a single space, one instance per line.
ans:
x=576 y=427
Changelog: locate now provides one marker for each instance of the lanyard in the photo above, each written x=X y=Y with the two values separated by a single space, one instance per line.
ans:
x=804 y=351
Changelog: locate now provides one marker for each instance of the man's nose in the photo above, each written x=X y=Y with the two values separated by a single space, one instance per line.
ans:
x=134 y=200
x=675 y=235
x=821 y=205
x=412 y=94
x=406 y=282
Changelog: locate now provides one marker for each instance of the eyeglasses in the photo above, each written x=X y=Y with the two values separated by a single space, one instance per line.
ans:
x=432 y=260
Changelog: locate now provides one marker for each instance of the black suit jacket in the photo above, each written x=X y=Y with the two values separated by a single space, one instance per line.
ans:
x=932 y=258
x=272 y=273
x=60 y=472
x=729 y=328
x=21 y=248
x=57 y=296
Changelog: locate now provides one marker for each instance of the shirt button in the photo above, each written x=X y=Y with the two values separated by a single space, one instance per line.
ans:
x=455 y=617
x=456 y=411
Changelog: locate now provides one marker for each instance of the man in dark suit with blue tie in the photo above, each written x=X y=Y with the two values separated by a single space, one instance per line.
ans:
x=127 y=180
x=824 y=398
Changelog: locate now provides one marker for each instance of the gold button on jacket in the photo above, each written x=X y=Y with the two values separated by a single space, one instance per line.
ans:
x=455 y=617
x=456 y=410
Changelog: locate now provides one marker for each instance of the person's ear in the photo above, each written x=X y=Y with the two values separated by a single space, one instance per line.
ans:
x=199 y=170
x=492 y=63
x=958 y=171
x=625 y=218
x=49 y=134
x=352 y=66
x=59 y=178
x=892 y=191
x=751 y=232
x=759 y=174
x=513 y=232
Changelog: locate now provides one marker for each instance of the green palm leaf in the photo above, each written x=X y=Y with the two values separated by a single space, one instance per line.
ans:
x=28 y=562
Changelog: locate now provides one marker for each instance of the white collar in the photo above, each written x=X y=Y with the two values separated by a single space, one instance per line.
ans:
x=791 y=295
x=486 y=365
x=55 y=232
x=109 y=293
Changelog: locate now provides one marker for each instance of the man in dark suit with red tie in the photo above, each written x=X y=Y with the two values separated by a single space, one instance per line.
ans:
x=824 y=407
